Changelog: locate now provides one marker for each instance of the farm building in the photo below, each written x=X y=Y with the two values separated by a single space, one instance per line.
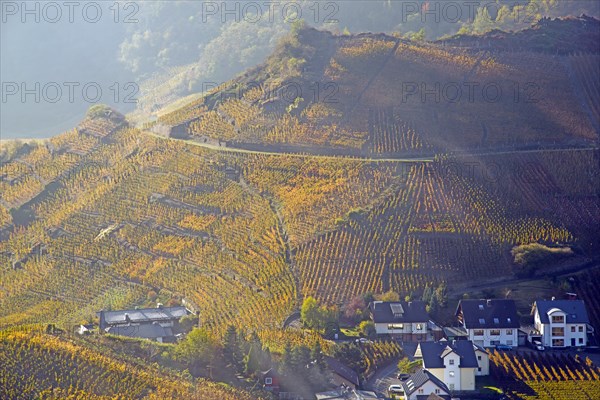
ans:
x=156 y=324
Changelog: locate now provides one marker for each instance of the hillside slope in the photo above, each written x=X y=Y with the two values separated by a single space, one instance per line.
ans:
x=108 y=216
x=374 y=95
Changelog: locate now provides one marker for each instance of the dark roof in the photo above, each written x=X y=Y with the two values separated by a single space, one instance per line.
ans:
x=342 y=370
x=434 y=352
x=489 y=314
x=418 y=379
x=269 y=373
x=575 y=310
x=398 y=311
x=144 y=315
x=146 y=331
x=454 y=331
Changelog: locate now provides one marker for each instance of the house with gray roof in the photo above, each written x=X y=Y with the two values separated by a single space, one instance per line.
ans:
x=404 y=320
x=342 y=374
x=489 y=322
x=423 y=384
x=561 y=323
x=157 y=324
x=454 y=363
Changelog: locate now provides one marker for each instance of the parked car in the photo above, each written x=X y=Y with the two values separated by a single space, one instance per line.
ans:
x=403 y=376
x=503 y=347
x=363 y=340
x=394 y=390
x=538 y=345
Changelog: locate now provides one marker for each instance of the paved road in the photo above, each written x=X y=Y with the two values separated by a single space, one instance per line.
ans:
x=384 y=377
x=212 y=146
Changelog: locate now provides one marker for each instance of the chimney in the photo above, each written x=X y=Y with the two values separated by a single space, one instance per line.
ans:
x=127 y=319
x=489 y=302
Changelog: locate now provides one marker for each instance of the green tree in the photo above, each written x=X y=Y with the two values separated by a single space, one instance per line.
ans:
x=287 y=358
x=441 y=295
x=252 y=361
x=418 y=36
x=389 y=296
x=301 y=357
x=310 y=312
x=408 y=367
x=316 y=355
x=198 y=346
x=367 y=328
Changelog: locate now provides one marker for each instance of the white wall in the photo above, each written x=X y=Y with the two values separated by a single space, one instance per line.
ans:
x=483 y=360
x=382 y=328
x=467 y=379
x=428 y=388
x=409 y=328
x=511 y=339
x=452 y=372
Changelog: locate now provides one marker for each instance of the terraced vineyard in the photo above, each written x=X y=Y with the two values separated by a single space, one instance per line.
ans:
x=137 y=215
x=535 y=376
x=37 y=365
x=377 y=95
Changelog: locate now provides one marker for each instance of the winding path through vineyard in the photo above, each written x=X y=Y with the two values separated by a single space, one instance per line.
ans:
x=302 y=155
x=422 y=159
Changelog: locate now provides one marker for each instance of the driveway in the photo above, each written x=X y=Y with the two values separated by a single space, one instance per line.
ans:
x=384 y=377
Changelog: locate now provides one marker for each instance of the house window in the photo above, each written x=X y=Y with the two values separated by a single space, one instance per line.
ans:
x=451 y=362
x=421 y=391
x=558 y=342
x=580 y=340
x=479 y=358
x=509 y=342
x=509 y=331
x=268 y=381
x=479 y=369
x=573 y=329
x=494 y=342
x=581 y=329
x=419 y=327
x=495 y=332
x=482 y=321
x=478 y=332
x=452 y=386
x=496 y=321
x=558 y=331
x=558 y=319
x=437 y=391
x=451 y=374
x=391 y=327
x=481 y=306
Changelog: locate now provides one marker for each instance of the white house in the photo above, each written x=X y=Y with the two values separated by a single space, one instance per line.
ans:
x=490 y=322
x=454 y=363
x=407 y=321
x=561 y=323
x=483 y=361
x=422 y=384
